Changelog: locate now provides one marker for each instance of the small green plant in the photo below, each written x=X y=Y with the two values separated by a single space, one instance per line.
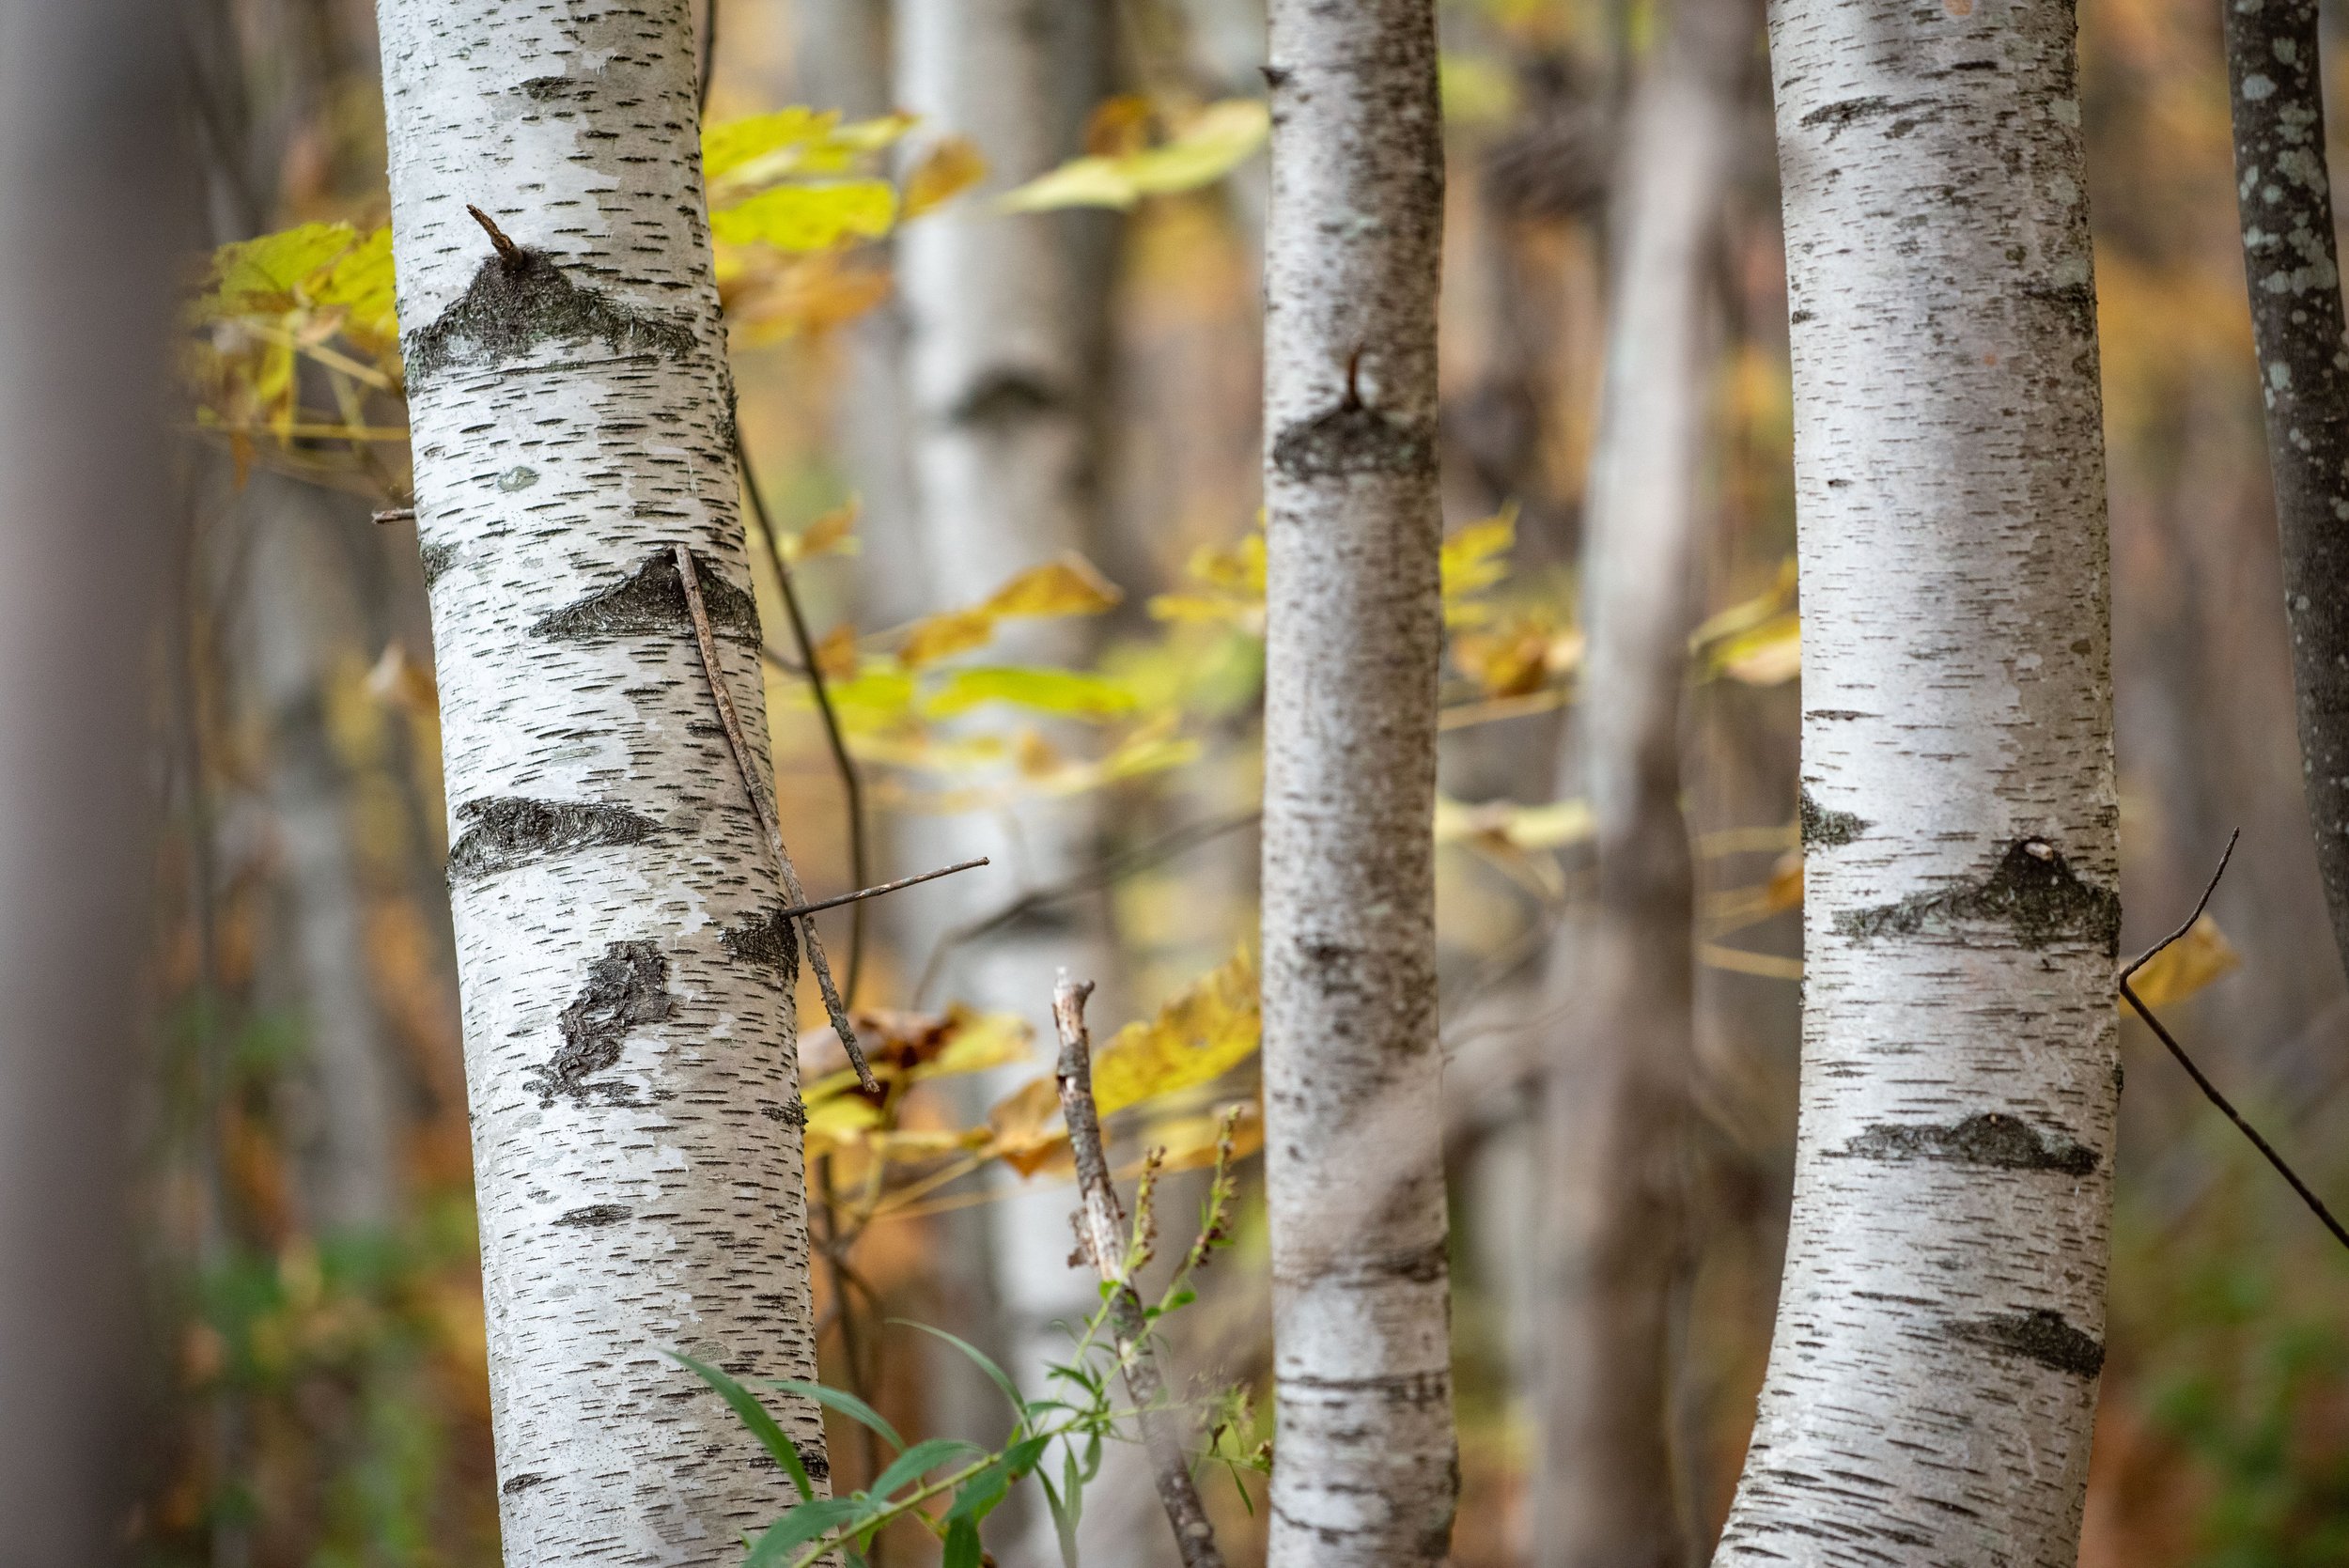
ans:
x=1080 y=1413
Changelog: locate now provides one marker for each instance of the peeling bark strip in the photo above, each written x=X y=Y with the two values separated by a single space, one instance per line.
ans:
x=632 y=1080
x=1932 y=1376
x=1367 y=1472
x=2284 y=198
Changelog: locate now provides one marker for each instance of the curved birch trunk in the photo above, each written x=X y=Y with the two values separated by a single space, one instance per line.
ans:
x=1367 y=1472
x=1933 y=1376
x=1616 y=1099
x=629 y=1035
x=2291 y=260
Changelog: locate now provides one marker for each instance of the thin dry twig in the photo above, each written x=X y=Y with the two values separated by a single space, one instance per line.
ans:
x=851 y=783
x=837 y=899
x=691 y=577
x=2210 y=1090
x=1101 y=1237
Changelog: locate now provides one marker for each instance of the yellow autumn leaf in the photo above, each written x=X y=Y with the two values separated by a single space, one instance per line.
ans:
x=839 y=1124
x=1021 y=1125
x=835 y=654
x=978 y=1043
x=1768 y=655
x=1069 y=586
x=263 y=276
x=1198 y=1036
x=1076 y=693
x=769 y=295
x=1218 y=140
x=760 y=148
x=1118 y=126
x=809 y=217
x=360 y=282
x=1551 y=826
x=942 y=636
x=2193 y=961
x=1474 y=559
x=1748 y=614
x=945 y=170
x=834 y=532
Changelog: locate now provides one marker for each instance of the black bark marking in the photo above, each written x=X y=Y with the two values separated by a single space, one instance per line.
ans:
x=505 y=831
x=1355 y=438
x=1825 y=829
x=1007 y=398
x=594 y=1215
x=794 y=1114
x=2034 y=890
x=512 y=307
x=544 y=88
x=650 y=601
x=521 y=1483
x=2006 y=1142
x=2038 y=1335
x=627 y=988
x=769 y=941
x=437 y=560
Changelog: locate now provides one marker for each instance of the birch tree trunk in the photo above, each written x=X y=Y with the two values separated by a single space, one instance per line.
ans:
x=1004 y=325
x=629 y=1035
x=100 y=202
x=1940 y=1322
x=1617 y=1104
x=1354 y=1172
x=2291 y=260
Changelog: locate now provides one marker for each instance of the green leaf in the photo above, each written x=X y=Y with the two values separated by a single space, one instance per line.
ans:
x=798 y=1527
x=1075 y=692
x=847 y=1404
x=1067 y=1513
x=921 y=1457
x=962 y=1544
x=745 y=1405
x=1000 y=1379
x=809 y=217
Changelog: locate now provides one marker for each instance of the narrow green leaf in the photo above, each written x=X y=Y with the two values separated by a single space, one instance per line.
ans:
x=753 y=1414
x=962 y=1544
x=798 y=1528
x=847 y=1404
x=921 y=1457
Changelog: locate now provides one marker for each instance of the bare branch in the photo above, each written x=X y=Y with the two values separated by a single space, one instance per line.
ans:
x=1101 y=1236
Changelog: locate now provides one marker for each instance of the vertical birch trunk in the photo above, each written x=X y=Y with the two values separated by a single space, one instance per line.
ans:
x=1004 y=322
x=100 y=203
x=1368 y=1468
x=1616 y=1102
x=630 y=1036
x=2291 y=260
x=1939 y=1336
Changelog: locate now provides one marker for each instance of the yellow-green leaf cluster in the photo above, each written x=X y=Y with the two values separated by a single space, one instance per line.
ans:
x=1202 y=150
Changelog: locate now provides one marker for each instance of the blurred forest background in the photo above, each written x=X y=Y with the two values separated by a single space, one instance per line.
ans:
x=1096 y=732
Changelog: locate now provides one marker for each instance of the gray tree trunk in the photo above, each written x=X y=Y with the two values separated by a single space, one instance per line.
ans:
x=1932 y=1377
x=2291 y=260
x=1368 y=1466
x=100 y=207
x=630 y=1034
x=1616 y=1097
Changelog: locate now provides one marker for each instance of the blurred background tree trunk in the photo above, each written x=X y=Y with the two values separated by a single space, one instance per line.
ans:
x=98 y=204
x=1619 y=1083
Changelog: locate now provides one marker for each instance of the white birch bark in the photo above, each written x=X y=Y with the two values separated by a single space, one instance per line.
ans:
x=1933 y=1371
x=1616 y=1098
x=1367 y=1466
x=1001 y=346
x=630 y=1034
x=100 y=202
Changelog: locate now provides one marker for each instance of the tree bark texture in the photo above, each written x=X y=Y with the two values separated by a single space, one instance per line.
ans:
x=2284 y=198
x=100 y=206
x=626 y=982
x=1354 y=1173
x=1933 y=1376
x=1616 y=1102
